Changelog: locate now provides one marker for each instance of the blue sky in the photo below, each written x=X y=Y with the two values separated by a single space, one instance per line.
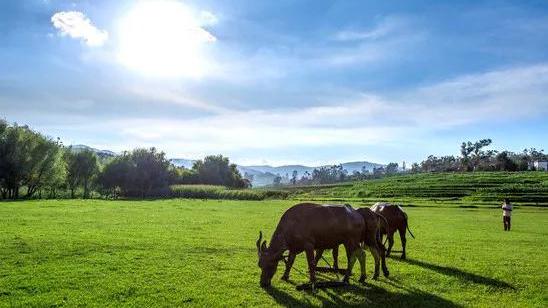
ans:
x=278 y=82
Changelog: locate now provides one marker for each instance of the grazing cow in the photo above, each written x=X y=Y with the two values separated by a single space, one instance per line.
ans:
x=306 y=227
x=371 y=237
x=397 y=220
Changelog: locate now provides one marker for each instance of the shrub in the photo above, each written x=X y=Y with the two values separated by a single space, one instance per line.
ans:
x=215 y=192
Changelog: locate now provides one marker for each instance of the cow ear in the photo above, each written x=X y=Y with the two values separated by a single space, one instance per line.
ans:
x=259 y=242
x=263 y=246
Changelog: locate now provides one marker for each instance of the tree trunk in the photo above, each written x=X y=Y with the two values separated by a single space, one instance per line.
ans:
x=86 y=192
x=30 y=191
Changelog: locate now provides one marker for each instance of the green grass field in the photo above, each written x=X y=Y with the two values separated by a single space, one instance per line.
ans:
x=177 y=252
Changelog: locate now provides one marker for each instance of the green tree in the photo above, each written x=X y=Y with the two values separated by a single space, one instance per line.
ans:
x=115 y=176
x=277 y=181
x=473 y=154
x=504 y=162
x=28 y=160
x=141 y=173
x=82 y=167
x=294 y=175
x=217 y=170
x=46 y=167
x=391 y=168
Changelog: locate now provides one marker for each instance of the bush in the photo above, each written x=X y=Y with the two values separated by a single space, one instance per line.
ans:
x=221 y=192
x=214 y=192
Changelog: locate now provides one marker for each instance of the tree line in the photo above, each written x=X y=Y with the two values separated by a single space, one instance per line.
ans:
x=334 y=174
x=474 y=156
x=35 y=166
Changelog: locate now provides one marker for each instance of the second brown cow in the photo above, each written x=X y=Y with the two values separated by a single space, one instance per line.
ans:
x=397 y=221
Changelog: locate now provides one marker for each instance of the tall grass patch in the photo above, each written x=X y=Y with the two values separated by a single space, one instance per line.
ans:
x=221 y=192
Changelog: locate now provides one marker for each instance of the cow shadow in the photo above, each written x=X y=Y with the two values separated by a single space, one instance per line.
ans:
x=359 y=295
x=458 y=273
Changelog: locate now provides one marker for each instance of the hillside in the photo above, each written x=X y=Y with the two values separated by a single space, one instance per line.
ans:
x=524 y=188
x=101 y=153
x=265 y=174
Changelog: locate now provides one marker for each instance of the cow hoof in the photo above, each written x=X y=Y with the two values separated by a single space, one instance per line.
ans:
x=362 y=279
x=386 y=273
x=285 y=278
x=345 y=280
x=376 y=277
x=403 y=257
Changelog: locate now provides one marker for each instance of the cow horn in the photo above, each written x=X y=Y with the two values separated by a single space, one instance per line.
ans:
x=259 y=242
x=263 y=246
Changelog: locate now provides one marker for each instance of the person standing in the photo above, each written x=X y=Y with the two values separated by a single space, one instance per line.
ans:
x=506 y=214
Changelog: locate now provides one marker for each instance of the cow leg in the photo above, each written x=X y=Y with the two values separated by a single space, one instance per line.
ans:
x=382 y=253
x=403 y=241
x=319 y=253
x=336 y=258
x=288 y=265
x=390 y=243
x=375 y=252
x=309 y=250
x=351 y=253
x=361 y=258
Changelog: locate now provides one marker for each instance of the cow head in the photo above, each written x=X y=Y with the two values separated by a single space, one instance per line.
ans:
x=268 y=261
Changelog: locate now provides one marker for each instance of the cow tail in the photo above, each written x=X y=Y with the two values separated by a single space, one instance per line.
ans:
x=407 y=226
x=386 y=227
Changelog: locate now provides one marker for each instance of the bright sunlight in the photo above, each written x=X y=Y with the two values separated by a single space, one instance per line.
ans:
x=165 y=39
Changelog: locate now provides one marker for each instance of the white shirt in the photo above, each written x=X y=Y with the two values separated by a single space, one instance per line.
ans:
x=506 y=209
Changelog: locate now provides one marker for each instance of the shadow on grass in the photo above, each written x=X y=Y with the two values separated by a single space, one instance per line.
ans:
x=468 y=206
x=460 y=274
x=361 y=295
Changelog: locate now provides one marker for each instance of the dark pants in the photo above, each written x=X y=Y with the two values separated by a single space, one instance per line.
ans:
x=506 y=222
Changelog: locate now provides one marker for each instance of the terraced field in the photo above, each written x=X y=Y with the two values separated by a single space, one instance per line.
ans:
x=481 y=188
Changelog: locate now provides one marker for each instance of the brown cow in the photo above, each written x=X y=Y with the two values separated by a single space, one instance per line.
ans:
x=371 y=237
x=306 y=227
x=397 y=220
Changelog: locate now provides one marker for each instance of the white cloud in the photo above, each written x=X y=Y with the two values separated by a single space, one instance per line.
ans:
x=77 y=25
x=387 y=26
x=505 y=95
x=394 y=39
x=512 y=95
x=161 y=93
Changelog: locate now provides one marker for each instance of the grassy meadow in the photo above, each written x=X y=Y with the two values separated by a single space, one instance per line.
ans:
x=193 y=252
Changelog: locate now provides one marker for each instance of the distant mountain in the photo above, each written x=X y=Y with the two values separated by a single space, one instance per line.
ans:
x=262 y=174
x=265 y=174
x=101 y=153
x=288 y=169
x=360 y=165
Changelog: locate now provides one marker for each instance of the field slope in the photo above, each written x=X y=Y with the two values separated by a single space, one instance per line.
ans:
x=472 y=188
x=178 y=252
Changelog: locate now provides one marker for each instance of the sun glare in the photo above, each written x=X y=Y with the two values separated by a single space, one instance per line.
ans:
x=163 y=38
